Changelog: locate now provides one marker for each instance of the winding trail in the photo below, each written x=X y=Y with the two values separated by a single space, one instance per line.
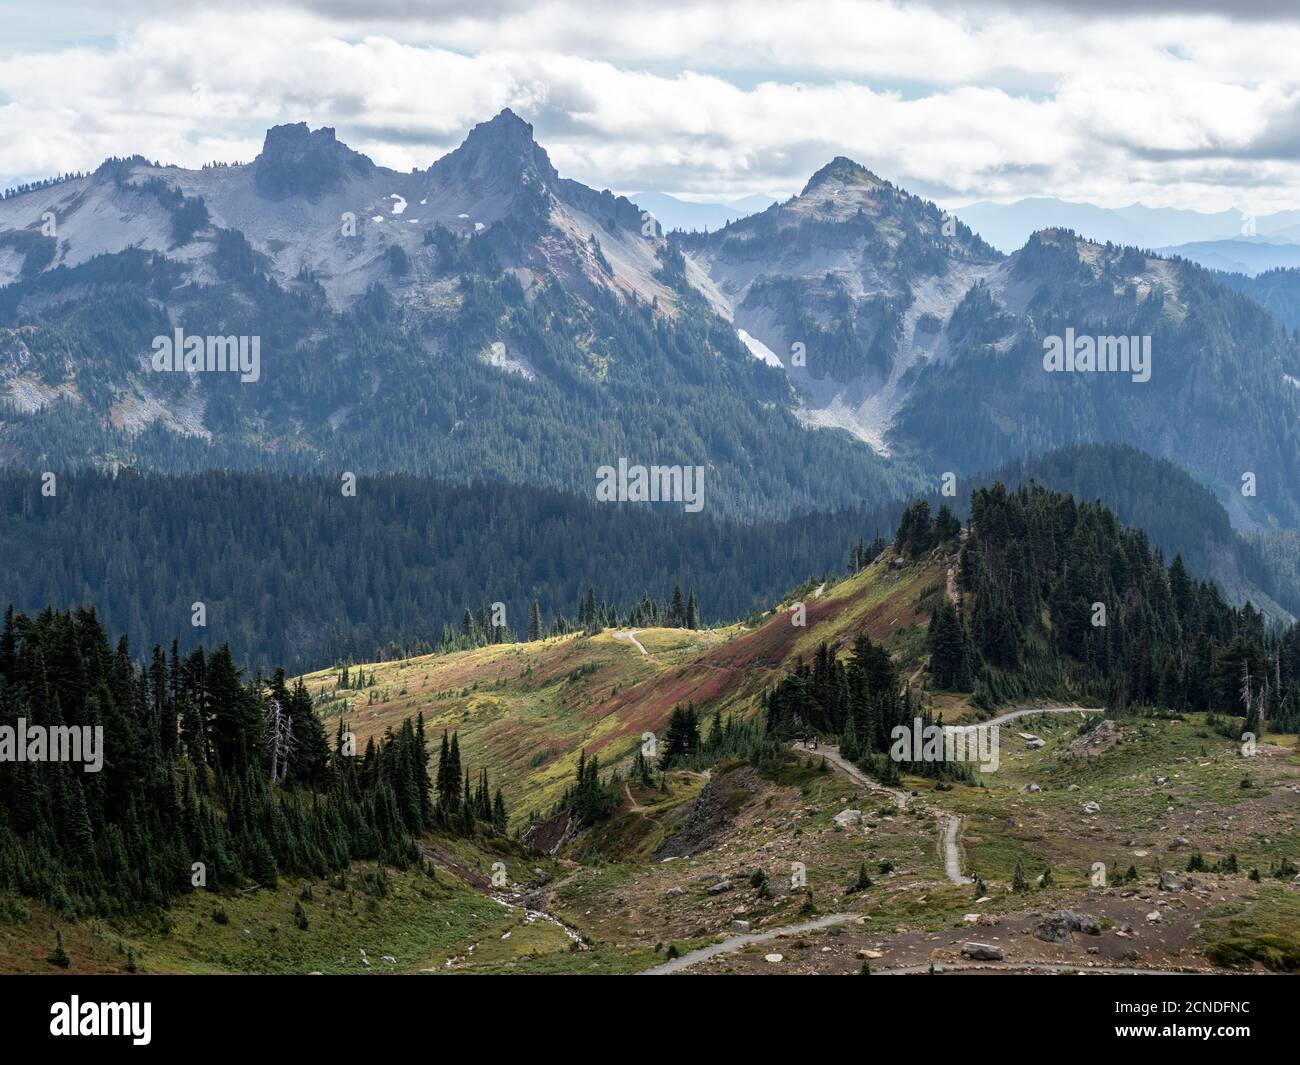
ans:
x=1011 y=715
x=734 y=943
x=629 y=636
x=832 y=754
x=949 y=830
x=949 y=824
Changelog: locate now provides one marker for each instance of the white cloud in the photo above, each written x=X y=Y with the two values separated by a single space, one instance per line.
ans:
x=713 y=98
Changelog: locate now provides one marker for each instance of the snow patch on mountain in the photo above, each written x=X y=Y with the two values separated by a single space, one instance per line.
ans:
x=759 y=350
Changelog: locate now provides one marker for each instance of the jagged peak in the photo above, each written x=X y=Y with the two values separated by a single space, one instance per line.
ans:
x=506 y=120
x=498 y=153
x=843 y=170
x=292 y=138
x=296 y=160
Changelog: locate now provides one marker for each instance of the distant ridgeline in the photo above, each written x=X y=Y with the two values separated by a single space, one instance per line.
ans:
x=292 y=573
x=200 y=765
x=1276 y=290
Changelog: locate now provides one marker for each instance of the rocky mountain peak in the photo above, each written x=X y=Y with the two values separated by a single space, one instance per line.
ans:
x=298 y=161
x=498 y=156
x=841 y=171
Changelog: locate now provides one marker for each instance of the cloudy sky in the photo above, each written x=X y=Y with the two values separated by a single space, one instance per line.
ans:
x=1165 y=103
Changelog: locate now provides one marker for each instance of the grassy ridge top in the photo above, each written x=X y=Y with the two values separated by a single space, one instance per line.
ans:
x=527 y=710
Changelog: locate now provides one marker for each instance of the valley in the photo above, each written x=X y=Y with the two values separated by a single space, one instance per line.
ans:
x=1122 y=838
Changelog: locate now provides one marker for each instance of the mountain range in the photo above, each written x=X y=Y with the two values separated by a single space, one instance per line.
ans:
x=671 y=212
x=1008 y=225
x=1251 y=257
x=1230 y=241
x=485 y=317
x=305 y=448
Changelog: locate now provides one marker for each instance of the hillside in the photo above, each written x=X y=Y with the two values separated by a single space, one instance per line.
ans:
x=1179 y=515
x=1216 y=357
x=676 y=861
x=484 y=319
x=1018 y=598
x=530 y=709
x=500 y=814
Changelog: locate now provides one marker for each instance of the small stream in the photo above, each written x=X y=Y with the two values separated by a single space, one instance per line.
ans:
x=531 y=915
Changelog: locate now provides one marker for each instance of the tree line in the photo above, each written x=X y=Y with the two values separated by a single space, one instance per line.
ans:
x=210 y=778
x=293 y=573
x=1059 y=597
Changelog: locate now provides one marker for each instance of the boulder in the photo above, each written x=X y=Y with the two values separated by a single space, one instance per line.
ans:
x=1097 y=741
x=982 y=952
x=774 y=958
x=845 y=818
x=1078 y=922
x=1053 y=930
x=673 y=892
x=739 y=926
x=1170 y=881
x=720 y=887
